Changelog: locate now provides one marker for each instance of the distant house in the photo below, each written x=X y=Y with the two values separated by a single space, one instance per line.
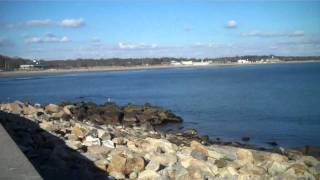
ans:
x=26 y=67
x=175 y=63
x=186 y=62
x=243 y=61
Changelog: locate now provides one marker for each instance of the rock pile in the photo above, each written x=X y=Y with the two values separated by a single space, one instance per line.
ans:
x=135 y=152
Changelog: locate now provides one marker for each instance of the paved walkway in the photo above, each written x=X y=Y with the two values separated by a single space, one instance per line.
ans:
x=13 y=163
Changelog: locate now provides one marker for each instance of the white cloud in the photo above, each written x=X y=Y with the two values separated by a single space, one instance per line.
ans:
x=136 y=46
x=95 y=40
x=273 y=34
x=5 y=42
x=73 y=22
x=207 y=45
x=48 y=38
x=231 y=24
x=38 y=22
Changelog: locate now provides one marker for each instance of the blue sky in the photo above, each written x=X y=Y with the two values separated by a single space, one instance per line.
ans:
x=158 y=28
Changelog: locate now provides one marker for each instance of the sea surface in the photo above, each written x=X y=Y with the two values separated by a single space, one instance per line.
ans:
x=269 y=102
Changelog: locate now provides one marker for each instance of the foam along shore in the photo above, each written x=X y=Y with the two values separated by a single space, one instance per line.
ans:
x=126 y=68
x=121 y=143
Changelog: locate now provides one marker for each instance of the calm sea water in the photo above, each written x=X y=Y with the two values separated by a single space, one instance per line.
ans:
x=274 y=102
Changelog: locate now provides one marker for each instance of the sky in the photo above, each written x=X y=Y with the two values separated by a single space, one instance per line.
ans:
x=54 y=30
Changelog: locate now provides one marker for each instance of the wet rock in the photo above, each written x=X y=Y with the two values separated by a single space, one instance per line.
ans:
x=190 y=132
x=129 y=118
x=245 y=139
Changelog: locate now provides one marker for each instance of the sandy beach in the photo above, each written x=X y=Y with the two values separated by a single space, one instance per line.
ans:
x=126 y=68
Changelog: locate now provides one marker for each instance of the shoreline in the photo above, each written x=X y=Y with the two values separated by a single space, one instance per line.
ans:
x=55 y=134
x=131 y=68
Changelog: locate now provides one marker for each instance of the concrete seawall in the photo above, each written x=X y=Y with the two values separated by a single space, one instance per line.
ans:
x=13 y=163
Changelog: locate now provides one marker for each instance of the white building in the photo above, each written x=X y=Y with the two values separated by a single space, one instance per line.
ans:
x=175 y=63
x=243 y=61
x=26 y=66
x=187 y=62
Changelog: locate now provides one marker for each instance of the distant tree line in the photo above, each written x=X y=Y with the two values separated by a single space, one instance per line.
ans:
x=12 y=63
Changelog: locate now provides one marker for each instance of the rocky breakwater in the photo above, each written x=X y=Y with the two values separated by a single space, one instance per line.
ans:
x=121 y=142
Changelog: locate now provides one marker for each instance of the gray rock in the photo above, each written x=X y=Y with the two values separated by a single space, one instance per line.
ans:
x=199 y=155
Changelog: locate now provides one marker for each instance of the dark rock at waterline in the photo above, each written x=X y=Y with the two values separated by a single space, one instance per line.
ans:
x=245 y=139
x=190 y=132
x=111 y=113
x=272 y=143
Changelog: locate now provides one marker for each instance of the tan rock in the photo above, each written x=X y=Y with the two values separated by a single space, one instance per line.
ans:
x=78 y=132
x=148 y=175
x=153 y=165
x=67 y=109
x=101 y=164
x=244 y=156
x=134 y=164
x=117 y=165
x=278 y=157
x=90 y=141
x=29 y=109
x=165 y=159
x=52 y=108
x=73 y=144
x=99 y=150
x=199 y=147
x=46 y=125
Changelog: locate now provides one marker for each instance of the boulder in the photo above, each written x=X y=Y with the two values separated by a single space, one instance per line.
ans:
x=73 y=144
x=15 y=107
x=148 y=175
x=244 y=156
x=165 y=159
x=52 y=108
x=101 y=164
x=100 y=151
x=134 y=164
x=29 y=109
x=78 y=132
x=199 y=155
x=90 y=141
x=153 y=165
x=67 y=109
x=190 y=132
x=108 y=143
x=117 y=166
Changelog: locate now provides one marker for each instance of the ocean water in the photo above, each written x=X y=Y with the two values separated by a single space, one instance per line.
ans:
x=270 y=102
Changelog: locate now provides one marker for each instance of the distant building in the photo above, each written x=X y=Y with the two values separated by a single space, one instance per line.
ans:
x=175 y=63
x=186 y=62
x=26 y=67
x=243 y=61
